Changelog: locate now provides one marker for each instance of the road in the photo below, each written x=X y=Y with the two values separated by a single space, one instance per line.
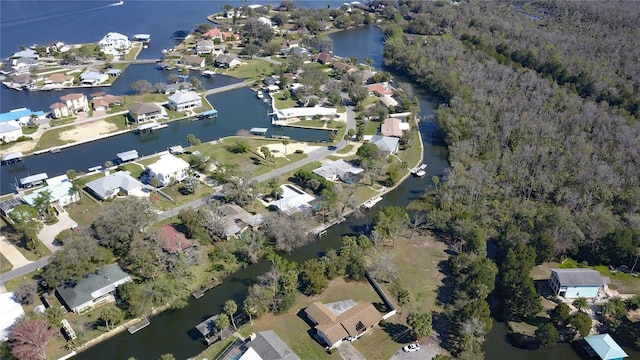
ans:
x=23 y=270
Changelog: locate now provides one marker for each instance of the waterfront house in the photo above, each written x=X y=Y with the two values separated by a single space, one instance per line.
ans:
x=61 y=194
x=180 y=86
x=388 y=145
x=603 y=347
x=204 y=47
x=388 y=101
x=292 y=200
x=104 y=102
x=75 y=102
x=93 y=290
x=59 y=110
x=217 y=33
x=184 y=100
x=168 y=169
x=33 y=180
x=59 y=80
x=340 y=170
x=114 y=44
x=342 y=320
x=109 y=186
x=22 y=64
x=306 y=112
x=27 y=54
x=267 y=345
x=323 y=58
x=236 y=219
x=380 y=89
x=227 y=61
x=173 y=241
x=193 y=61
x=146 y=112
x=574 y=283
x=393 y=127
x=92 y=78
x=10 y=131
x=22 y=80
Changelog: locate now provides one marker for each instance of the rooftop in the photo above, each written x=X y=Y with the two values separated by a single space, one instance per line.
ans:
x=168 y=164
x=605 y=347
x=269 y=346
x=578 y=277
x=105 y=186
x=15 y=114
x=343 y=319
x=58 y=191
x=128 y=155
x=92 y=285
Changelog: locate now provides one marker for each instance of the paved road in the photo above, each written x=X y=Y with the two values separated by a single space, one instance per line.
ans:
x=268 y=59
x=23 y=270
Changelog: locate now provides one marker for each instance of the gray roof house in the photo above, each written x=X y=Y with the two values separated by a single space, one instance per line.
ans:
x=340 y=169
x=146 y=112
x=573 y=283
x=227 y=61
x=388 y=145
x=109 y=186
x=267 y=345
x=94 y=289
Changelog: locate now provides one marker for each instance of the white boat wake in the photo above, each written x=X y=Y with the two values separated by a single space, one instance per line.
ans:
x=117 y=4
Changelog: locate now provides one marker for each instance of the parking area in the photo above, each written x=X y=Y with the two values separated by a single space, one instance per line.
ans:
x=426 y=352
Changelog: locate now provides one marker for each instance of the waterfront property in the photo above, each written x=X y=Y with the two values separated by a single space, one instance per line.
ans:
x=574 y=283
x=105 y=101
x=227 y=61
x=33 y=180
x=22 y=115
x=61 y=193
x=125 y=156
x=69 y=105
x=58 y=80
x=236 y=219
x=174 y=241
x=146 y=112
x=193 y=61
x=292 y=200
x=92 y=78
x=342 y=320
x=267 y=345
x=10 y=131
x=184 y=100
x=393 y=127
x=10 y=312
x=114 y=44
x=93 y=290
x=340 y=170
x=603 y=347
x=388 y=145
x=204 y=47
x=109 y=186
x=306 y=112
x=168 y=169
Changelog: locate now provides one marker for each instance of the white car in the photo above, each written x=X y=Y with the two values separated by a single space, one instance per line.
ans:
x=411 y=348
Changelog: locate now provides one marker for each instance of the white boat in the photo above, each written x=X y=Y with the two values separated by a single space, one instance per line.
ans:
x=208 y=73
x=371 y=202
x=419 y=171
x=95 y=168
x=160 y=126
x=260 y=94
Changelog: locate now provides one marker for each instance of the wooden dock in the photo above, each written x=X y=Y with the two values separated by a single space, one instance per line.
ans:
x=139 y=326
x=213 y=283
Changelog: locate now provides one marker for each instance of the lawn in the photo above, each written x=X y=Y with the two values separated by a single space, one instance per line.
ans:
x=118 y=120
x=413 y=153
x=85 y=211
x=370 y=101
x=5 y=265
x=62 y=121
x=162 y=203
x=51 y=138
x=345 y=149
x=281 y=102
x=319 y=124
x=135 y=169
x=36 y=254
x=371 y=127
x=214 y=350
x=254 y=69
x=130 y=100
x=28 y=130
x=148 y=161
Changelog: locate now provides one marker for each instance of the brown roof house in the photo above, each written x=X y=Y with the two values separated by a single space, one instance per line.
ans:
x=146 y=112
x=393 y=127
x=193 y=61
x=342 y=320
x=173 y=241
x=104 y=102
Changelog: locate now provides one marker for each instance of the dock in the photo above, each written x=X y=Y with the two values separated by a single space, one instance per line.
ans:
x=213 y=113
x=258 y=131
x=371 y=202
x=208 y=330
x=11 y=158
x=127 y=156
x=419 y=171
x=150 y=127
x=139 y=326
x=213 y=283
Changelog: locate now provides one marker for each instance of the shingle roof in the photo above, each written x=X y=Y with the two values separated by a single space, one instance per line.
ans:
x=144 y=108
x=578 y=277
x=92 y=285
x=385 y=143
x=270 y=347
x=349 y=322
x=104 y=187
x=182 y=97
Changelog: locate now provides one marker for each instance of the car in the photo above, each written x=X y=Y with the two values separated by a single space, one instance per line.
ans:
x=411 y=348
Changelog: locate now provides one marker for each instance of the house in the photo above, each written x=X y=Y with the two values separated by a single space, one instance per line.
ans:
x=604 y=347
x=27 y=54
x=292 y=200
x=227 y=61
x=21 y=115
x=181 y=101
x=306 y=112
x=10 y=131
x=574 y=283
x=324 y=58
x=217 y=33
x=340 y=66
x=393 y=127
x=173 y=241
x=380 y=89
x=24 y=63
x=193 y=61
x=23 y=80
x=109 y=186
x=59 y=80
x=204 y=47
x=75 y=102
x=388 y=145
x=10 y=312
x=33 y=180
x=60 y=47
x=114 y=44
x=267 y=345
x=180 y=86
x=92 y=78
x=93 y=290
x=300 y=51
x=236 y=219
x=388 y=101
x=59 y=110
x=105 y=102
x=168 y=169
x=340 y=169
x=146 y=112
x=342 y=320
x=62 y=193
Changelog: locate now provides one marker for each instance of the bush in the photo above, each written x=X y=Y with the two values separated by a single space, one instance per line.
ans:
x=26 y=293
x=299 y=151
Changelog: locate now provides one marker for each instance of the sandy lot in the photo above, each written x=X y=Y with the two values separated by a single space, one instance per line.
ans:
x=88 y=131
x=277 y=148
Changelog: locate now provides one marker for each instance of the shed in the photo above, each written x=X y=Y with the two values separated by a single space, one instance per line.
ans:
x=605 y=347
x=128 y=155
x=259 y=131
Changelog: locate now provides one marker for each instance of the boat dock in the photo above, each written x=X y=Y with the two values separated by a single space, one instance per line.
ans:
x=371 y=202
x=11 y=158
x=150 y=127
x=139 y=326
x=213 y=113
x=213 y=283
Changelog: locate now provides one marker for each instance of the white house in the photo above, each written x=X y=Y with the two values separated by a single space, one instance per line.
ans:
x=61 y=193
x=110 y=185
x=93 y=78
x=76 y=102
x=204 y=47
x=146 y=112
x=574 y=283
x=340 y=169
x=292 y=200
x=10 y=131
x=10 y=312
x=181 y=101
x=114 y=44
x=168 y=169
x=388 y=145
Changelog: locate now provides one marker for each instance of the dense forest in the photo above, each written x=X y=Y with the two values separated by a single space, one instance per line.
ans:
x=540 y=115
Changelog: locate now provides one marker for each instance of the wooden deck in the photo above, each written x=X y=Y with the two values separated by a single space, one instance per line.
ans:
x=213 y=283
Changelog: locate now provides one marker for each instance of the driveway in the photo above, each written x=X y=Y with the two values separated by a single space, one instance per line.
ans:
x=348 y=352
x=426 y=352
x=48 y=233
x=12 y=254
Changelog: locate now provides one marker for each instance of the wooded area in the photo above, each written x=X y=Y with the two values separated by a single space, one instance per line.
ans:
x=541 y=120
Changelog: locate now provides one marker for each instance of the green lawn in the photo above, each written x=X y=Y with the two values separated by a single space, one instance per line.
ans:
x=28 y=130
x=254 y=69
x=130 y=100
x=62 y=121
x=371 y=127
x=148 y=161
x=162 y=203
x=345 y=149
x=85 y=211
x=370 y=101
x=622 y=282
x=51 y=138
x=5 y=265
x=120 y=121
x=135 y=169
x=413 y=152
x=38 y=253
x=214 y=350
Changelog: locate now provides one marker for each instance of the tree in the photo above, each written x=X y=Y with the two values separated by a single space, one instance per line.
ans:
x=173 y=78
x=141 y=86
x=249 y=307
x=167 y=356
x=197 y=84
x=42 y=202
x=581 y=304
x=26 y=293
x=285 y=142
x=26 y=224
x=54 y=314
x=582 y=323
x=80 y=256
x=29 y=338
x=230 y=307
x=420 y=323
x=111 y=316
x=547 y=334
x=312 y=275
x=391 y=221
x=266 y=153
x=615 y=307
x=404 y=297
x=193 y=140
x=120 y=220
x=222 y=322
x=560 y=315
x=369 y=155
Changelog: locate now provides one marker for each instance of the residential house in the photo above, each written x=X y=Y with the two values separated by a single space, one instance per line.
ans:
x=173 y=241
x=340 y=170
x=75 y=102
x=236 y=219
x=60 y=47
x=366 y=75
x=22 y=64
x=93 y=290
x=10 y=131
x=324 y=58
x=168 y=169
x=340 y=66
x=104 y=102
x=393 y=127
x=92 y=78
x=300 y=51
x=217 y=33
x=388 y=145
x=59 y=110
x=180 y=86
x=380 y=89
x=342 y=320
x=114 y=44
x=10 y=312
x=109 y=186
x=22 y=80
x=146 y=112
x=193 y=61
x=603 y=347
x=27 y=54
x=62 y=193
x=574 y=283
x=292 y=200
x=181 y=101
x=58 y=80
x=204 y=47
x=21 y=115
x=227 y=61
x=388 y=101
x=267 y=345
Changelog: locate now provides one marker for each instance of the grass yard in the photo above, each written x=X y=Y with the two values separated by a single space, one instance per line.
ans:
x=38 y=253
x=281 y=102
x=370 y=101
x=118 y=120
x=135 y=169
x=254 y=69
x=5 y=265
x=364 y=193
x=413 y=152
x=148 y=161
x=371 y=127
x=85 y=211
x=345 y=149
x=62 y=121
x=28 y=130
x=51 y=138
x=162 y=203
x=214 y=350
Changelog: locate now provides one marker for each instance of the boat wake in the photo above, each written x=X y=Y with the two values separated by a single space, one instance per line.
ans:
x=117 y=4
x=59 y=13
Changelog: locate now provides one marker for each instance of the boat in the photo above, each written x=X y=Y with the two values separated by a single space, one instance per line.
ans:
x=419 y=171
x=11 y=158
x=371 y=202
x=95 y=168
x=260 y=94
x=208 y=73
x=55 y=150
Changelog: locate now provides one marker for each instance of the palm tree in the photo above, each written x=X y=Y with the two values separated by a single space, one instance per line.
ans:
x=230 y=307
x=249 y=307
x=404 y=297
x=285 y=142
x=581 y=304
x=222 y=322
